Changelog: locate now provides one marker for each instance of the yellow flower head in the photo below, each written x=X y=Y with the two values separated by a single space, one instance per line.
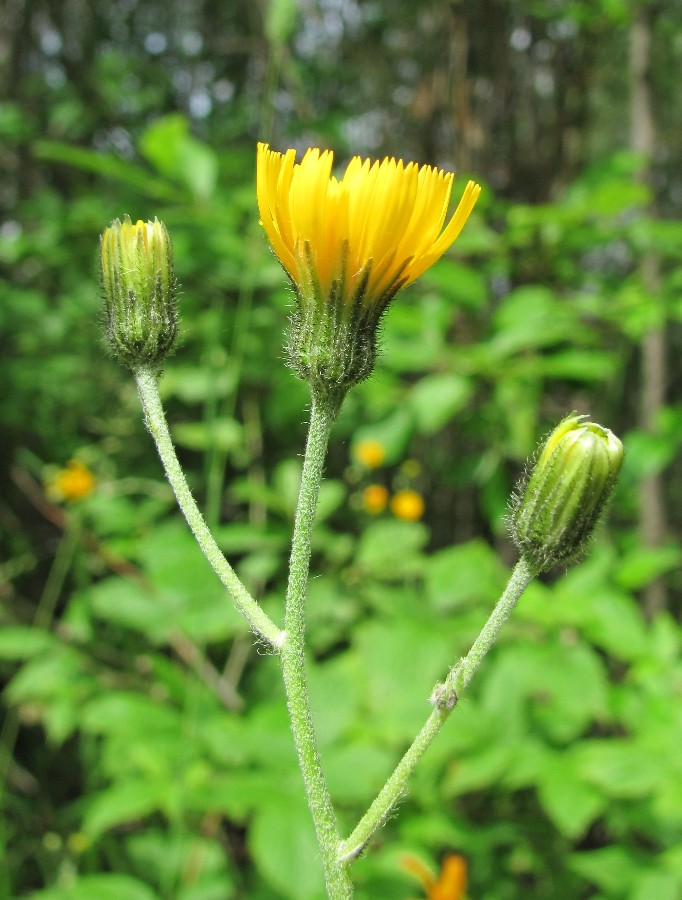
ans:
x=349 y=245
x=374 y=499
x=71 y=483
x=374 y=230
x=369 y=453
x=407 y=505
x=451 y=883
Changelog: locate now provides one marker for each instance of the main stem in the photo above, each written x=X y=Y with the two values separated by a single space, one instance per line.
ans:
x=444 y=698
x=259 y=621
x=322 y=415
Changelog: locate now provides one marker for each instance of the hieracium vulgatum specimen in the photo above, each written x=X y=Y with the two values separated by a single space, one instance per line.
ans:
x=347 y=245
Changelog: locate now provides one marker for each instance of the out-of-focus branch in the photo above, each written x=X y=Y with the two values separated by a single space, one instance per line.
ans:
x=652 y=514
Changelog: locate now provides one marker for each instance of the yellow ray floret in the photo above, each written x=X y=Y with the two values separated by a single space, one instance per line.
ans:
x=382 y=221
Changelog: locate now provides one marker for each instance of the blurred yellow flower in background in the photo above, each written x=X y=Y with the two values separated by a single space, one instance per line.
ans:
x=73 y=482
x=374 y=499
x=407 y=505
x=451 y=883
x=369 y=453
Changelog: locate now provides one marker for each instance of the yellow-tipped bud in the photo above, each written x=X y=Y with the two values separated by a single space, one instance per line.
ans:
x=557 y=508
x=139 y=291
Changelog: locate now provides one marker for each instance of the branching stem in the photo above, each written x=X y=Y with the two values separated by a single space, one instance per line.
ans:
x=259 y=622
x=445 y=697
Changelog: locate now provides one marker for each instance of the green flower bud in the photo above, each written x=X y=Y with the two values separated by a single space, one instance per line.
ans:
x=139 y=291
x=556 y=509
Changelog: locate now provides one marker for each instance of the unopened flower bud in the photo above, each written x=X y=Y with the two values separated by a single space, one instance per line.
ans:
x=139 y=291
x=556 y=509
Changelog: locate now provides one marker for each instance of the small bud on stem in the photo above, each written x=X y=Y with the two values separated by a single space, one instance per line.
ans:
x=555 y=511
x=139 y=291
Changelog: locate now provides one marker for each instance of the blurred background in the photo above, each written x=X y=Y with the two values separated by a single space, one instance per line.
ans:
x=144 y=747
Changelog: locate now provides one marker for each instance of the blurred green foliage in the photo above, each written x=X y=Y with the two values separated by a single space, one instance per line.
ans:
x=145 y=747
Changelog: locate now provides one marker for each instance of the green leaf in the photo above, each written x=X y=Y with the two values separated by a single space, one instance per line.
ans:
x=479 y=771
x=356 y=772
x=402 y=661
x=466 y=574
x=465 y=284
x=619 y=767
x=128 y=712
x=612 y=868
x=123 y=804
x=188 y=593
x=283 y=845
x=436 y=399
x=193 y=384
x=197 y=865
x=168 y=145
x=57 y=674
x=532 y=317
x=21 y=642
x=647 y=454
x=569 y=689
x=571 y=803
x=242 y=538
x=100 y=887
x=661 y=885
x=391 y=549
x=223 y=434
x=332 y=495
x=107 y=166
x=334 y=697
x=561 y=688
x=117 y=600
x=644 y=564
x=238 y=794
x=617 y=625
x=580 y=365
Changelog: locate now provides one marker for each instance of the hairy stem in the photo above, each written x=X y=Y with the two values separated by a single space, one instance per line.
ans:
x=259 y=622
x=444 y=698
x=323 y=413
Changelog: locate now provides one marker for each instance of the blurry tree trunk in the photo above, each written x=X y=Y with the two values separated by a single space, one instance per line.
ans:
x=653 y=344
